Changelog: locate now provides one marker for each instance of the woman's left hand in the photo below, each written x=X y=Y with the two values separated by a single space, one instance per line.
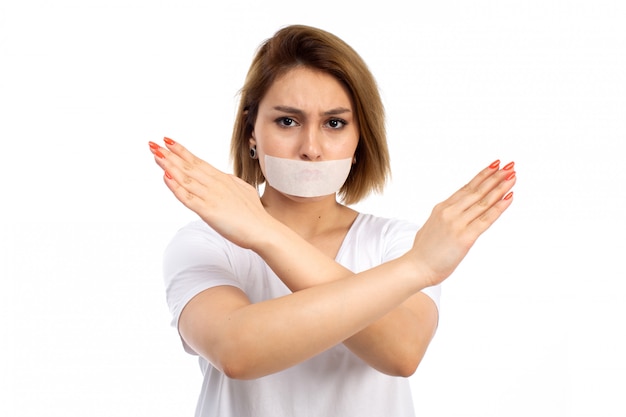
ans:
x=225 y=202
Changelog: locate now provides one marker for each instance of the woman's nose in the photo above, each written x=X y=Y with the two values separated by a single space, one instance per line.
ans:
x=311 y=145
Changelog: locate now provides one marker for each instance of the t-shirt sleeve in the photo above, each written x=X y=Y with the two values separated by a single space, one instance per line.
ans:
x=400 y=235
x=197 y=258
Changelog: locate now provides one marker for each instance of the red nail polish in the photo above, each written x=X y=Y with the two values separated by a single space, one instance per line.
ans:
x=167 y=174
x=495 y=164
x=509 y=166
x=159 y=154
x=508 y=196
x=168 y=141
x=511 y=176
x=153 y=145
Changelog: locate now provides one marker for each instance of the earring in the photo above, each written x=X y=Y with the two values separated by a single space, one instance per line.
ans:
x=253 y=154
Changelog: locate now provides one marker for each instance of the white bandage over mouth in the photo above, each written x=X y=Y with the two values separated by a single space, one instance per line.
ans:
x=306 y=178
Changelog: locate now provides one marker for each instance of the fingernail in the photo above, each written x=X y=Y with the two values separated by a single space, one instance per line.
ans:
x=153 y=145
x=508 y=196
x=158 y=153
x=167 y=174
x=509 y=166
x=511 y=176
x=495 y=164
x=168 y=141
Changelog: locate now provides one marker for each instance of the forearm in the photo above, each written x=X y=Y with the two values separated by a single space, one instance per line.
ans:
x=394 y=343
x=295 y=261
x=266 y=337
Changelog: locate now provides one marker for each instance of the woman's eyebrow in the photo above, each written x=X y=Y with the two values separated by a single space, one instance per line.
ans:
x=294 y=110
x=288 y=109
x=338 y=110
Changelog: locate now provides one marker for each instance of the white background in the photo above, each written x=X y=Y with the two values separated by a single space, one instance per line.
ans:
x=532 y=323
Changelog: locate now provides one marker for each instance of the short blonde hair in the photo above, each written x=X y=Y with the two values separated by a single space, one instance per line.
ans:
x=314 y=48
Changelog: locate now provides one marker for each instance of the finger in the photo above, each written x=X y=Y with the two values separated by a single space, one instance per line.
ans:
x=168 y=165
x=159 y=156
x=182 y=193
x=184 y=183
x=178 y=155
x=474 y=183
x=195 y=173
x=476 y=190
x=185 y=155
x=180 y=151
x=191 y=176
x=483 y=222
x=492 y=197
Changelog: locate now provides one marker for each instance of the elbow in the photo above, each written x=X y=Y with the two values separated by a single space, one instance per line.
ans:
x=236 y=364
x=228 y=354
x=232 y=366
x=240 y=368
x=408 y=369
x=408 y=360
x=404 y=368
x=234 y=370
x=401 y=365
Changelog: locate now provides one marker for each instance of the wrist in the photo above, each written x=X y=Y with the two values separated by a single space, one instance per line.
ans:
x=267 y=234
x=418 y=270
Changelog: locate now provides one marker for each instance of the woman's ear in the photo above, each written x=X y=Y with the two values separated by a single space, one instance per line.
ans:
x=252 y=139
x=252 y=142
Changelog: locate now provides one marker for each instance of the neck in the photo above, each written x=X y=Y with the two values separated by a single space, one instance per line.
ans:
x=309 y=217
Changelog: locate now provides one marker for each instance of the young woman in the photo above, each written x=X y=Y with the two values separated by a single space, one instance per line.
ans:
x=296 y=304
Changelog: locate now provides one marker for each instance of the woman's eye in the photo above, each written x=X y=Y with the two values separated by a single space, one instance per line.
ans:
x=336 y=123
x=285 y=121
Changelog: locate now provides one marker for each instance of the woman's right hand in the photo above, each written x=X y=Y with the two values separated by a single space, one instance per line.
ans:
x=455 y=224
x=225 y=202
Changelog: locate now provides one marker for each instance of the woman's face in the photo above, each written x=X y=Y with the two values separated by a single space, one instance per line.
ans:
x=306 y=115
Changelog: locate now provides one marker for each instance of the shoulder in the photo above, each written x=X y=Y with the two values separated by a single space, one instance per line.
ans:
x=192 y=240
x=199 y=249
x=384 y=227
x=195 y=232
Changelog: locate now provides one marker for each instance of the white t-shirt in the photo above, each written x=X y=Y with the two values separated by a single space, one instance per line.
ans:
x=334 y=383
